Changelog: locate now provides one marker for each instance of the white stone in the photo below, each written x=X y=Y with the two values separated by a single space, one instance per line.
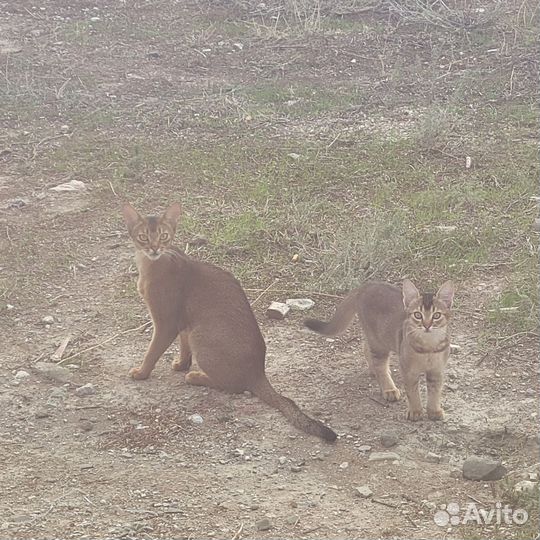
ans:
x=363 y=491
x=87 y=389
x=72 y=185
x=383 y=456
x=277 y=310
x=301 y=304
x=525 y=486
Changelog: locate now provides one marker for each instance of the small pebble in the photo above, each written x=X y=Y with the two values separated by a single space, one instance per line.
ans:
x=86 y=425
x=389 y=439
x=263 y=524
x=431 y=457
x=277 y=310
x=525 y=486
x=383 y=456
x=196 y=419
x=363 y=491
x=87 y=389
x=301 y=304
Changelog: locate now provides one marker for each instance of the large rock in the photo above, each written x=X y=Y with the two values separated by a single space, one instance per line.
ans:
x=479 y=468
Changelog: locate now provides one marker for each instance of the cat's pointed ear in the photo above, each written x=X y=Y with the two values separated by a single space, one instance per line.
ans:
x=172 y=214
x=446 y=293
x=410 y=292
x=131 y=216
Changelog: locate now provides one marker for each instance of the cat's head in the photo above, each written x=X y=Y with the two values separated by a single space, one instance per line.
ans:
x=428 y=311
x=152 y=235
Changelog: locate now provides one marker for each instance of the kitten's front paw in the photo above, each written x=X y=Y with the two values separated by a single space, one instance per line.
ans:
x=437 y=414
x=137 y=374
x=392 y=395
x=414 y=415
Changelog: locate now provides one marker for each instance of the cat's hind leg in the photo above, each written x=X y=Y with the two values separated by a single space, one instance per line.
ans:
x=199 y=378
x=184 y=362
x=379 y=365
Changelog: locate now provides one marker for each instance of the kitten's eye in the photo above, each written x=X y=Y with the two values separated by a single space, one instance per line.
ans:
x=436 y=315
x=164 y=236
x=417 y=315
x=142 y=237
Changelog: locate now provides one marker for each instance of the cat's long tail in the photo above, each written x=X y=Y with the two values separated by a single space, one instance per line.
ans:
x=341 y=320
x=265 y=391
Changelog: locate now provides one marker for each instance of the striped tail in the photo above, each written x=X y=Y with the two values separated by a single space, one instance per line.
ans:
x=341 y=320
x=265 y=391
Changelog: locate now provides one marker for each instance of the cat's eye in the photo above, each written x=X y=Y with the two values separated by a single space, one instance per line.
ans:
x=417 y=315
x=164 y=236
x=436 y=315
x=142 y=237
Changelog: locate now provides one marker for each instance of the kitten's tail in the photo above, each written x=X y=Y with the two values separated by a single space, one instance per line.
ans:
x=341 y=320
x=266 y=392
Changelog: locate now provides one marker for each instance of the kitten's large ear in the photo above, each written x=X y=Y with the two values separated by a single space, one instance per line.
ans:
x=410 y=292
x=446 y=293
x=131 y=216
x=172 y=214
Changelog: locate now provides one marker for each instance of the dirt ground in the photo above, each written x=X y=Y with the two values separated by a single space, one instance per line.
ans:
x=130 y=460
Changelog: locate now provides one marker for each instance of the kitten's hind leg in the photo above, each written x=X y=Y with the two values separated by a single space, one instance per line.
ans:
x=184 y=362
x=379 y=366
x=198 y=378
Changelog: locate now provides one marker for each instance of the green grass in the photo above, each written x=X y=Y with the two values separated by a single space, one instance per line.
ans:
x=379 y=210
x=395 y=200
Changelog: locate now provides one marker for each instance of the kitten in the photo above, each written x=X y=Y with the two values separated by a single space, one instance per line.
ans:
x=207 y=308
x=414 y=325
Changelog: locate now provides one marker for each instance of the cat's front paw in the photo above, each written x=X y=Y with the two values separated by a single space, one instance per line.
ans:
x=392 y=395
x=414 y=415
x=435 y=414
x=138 y=374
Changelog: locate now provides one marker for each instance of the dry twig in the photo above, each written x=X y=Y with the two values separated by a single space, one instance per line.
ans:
x=145 y=325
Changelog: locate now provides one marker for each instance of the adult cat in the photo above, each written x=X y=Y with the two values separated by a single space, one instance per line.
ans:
x=208 y=309
x=414 y=325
